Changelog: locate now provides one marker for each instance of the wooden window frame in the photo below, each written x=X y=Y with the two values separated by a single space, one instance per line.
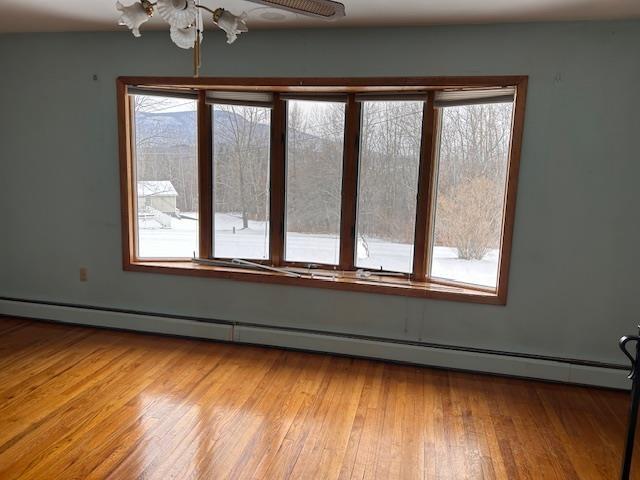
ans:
x=346 y=185
x=343 y=277
x=206 y=158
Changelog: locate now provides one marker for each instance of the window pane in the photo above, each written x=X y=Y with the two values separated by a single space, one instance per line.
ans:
x=388 y=183
x=470 y=192
x=315 y=137
x=165 y=151
x=241 y=142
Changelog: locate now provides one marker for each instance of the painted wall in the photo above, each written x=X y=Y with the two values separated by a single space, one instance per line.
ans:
x=574 y=285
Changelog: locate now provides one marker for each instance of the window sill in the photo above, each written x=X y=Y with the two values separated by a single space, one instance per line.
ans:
x=342 y=282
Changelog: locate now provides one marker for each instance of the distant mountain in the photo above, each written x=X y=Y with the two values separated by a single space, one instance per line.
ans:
x=180 y=128
x=166 y=128
x=171 y=129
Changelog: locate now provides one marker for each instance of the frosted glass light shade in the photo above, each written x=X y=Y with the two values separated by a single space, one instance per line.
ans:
x=184 y=37
x=178 y=13
x=132 y=16
x=232 y=25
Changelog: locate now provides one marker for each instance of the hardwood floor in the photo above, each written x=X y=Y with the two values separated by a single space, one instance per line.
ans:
x=80 y=403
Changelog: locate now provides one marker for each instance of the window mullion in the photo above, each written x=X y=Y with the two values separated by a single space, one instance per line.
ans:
x=277 y=181
x=424 y=196
x=350 y=183
x=205 y=180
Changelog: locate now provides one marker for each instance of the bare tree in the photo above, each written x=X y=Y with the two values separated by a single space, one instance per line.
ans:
x=241 y=139
x=315 y=132
x=389 y=160
x=471 y=179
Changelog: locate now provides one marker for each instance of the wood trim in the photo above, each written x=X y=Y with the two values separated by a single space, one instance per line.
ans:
x=205 y=177
x=127 y=195
x=402 y=287
x=333 y=84
x=425 y=184
x=277 y=181
x=512 y=188
x=349 y=202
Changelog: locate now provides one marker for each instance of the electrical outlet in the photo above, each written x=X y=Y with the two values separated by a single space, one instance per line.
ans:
x=84 y=275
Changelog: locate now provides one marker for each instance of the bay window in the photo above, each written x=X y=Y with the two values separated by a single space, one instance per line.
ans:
x=399 y=186
x=390 y=136
x=472 y=166
x=315 y=138
x=241 y=152
x=165 y=163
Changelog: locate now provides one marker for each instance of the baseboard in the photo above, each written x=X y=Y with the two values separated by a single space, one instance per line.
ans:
x=120 y=320
x=499 y=363
x=555 y=371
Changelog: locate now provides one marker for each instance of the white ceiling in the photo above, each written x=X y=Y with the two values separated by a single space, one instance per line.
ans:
x=93 y=15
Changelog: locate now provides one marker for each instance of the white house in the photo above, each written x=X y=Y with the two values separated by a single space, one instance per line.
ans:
x=159 y=195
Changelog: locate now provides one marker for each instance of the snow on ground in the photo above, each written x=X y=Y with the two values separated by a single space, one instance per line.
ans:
x=181 y=240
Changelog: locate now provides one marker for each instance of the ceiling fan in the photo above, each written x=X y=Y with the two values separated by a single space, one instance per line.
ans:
x=186 y=23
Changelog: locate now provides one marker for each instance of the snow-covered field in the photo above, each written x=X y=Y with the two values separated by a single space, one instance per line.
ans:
x=181 y=240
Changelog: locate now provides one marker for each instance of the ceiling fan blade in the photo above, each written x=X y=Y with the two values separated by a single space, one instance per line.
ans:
x=326 y=9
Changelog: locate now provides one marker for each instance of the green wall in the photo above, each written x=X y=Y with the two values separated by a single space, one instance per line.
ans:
x=574 y=284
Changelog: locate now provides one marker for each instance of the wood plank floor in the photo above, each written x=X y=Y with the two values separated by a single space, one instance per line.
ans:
x=82 y=403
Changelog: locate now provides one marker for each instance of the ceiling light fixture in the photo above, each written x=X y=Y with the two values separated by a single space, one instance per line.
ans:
x=186 y=24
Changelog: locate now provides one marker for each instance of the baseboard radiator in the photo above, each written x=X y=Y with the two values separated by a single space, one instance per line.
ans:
x=418 y=353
